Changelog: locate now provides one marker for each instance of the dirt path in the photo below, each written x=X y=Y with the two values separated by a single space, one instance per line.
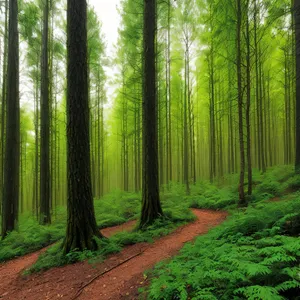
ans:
x=123 y=272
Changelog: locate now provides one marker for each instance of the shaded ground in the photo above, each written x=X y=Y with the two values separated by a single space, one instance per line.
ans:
x=118 y=277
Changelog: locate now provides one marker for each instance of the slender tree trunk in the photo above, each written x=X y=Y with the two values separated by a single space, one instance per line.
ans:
x=81 y=226
x=3 y=107
x=21 y=201
x=12 y=147
x=151 y=207
x=45 y=216
x=248 y=106
x=185 y=131
x=297 y=33
x=261 y=121
x=169 y=92
x=36 y=129
x=242 y=199
x=212 y=128
x=257 y=88
x=99 y=150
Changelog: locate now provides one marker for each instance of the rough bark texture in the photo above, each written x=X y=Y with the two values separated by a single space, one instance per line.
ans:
x=151 y=208
x=12 y=146
x=297 y=33
x=3 y=98
x=45 y=216
x=81 y=228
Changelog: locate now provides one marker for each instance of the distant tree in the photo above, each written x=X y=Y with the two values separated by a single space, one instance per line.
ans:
x=151 y=207
x=81 y=227
x=297 y=33
x=45 y=216
x=242 y=199
x=12 y=143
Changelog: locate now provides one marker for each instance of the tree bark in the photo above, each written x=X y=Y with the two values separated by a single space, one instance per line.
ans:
x=12 y=145
x=248 y=106
x=151 y=207
x=45 y=216
x=297 y=34
x=3 y=98
x=81 y=227
x=242 y=200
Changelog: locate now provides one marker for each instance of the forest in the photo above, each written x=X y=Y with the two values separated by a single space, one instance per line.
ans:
x=166 y=167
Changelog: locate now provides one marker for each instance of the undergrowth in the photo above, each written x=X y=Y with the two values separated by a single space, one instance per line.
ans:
x=119 y=207
x=255 y=254
x=113 y=209
x=54 y=256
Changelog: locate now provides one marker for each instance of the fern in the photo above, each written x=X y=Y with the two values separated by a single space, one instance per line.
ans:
x=257 y=292
x=287 y=285
x=247 y=257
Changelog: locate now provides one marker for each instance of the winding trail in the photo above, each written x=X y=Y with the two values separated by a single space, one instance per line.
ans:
x=118 y=277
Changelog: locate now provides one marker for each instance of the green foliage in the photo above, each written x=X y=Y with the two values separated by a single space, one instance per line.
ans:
x=208 y=196
x=292 y=183
x=31 y=237
x=112 y=210
x=250 y=256
x=54 y=256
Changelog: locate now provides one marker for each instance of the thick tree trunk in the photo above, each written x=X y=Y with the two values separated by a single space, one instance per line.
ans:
x=81 y=227
x=151 y=207
x=45 y=216
x=12 y=146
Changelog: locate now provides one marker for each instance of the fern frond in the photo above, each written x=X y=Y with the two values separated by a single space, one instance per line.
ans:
x=258 y=292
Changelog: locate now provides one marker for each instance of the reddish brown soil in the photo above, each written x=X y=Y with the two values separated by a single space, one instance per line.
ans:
x=115 y=229
x=121 y=280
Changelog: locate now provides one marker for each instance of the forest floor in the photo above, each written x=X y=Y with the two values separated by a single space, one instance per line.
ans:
x=118 y=277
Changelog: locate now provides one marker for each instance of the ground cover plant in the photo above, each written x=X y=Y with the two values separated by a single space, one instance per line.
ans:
x=113 y=209
x=255 y=254
x=176 y=214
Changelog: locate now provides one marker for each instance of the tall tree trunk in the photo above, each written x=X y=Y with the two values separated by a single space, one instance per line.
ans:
x=212 y=128
x=261 y=121
x=45 y=216
x=151 y=207
x=185 y=131
x=248 y=106
x=3 y=98
x=169 y=92
x=12 y=146
x=257 y=87
x=99 y=150
x=81 y=226
x=297 y=33
x=242 y=199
